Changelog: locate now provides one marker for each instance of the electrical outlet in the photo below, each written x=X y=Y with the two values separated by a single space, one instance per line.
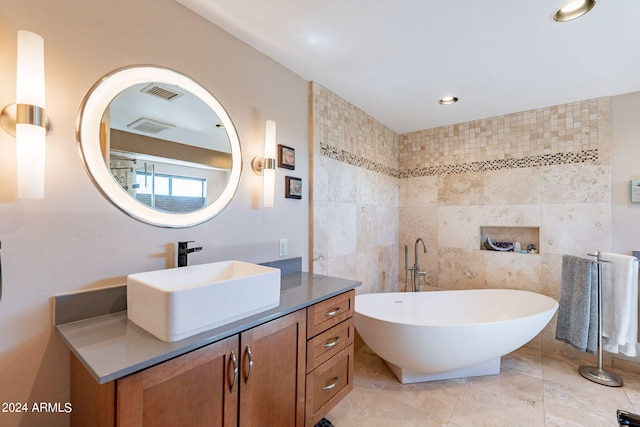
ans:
x=283 y=247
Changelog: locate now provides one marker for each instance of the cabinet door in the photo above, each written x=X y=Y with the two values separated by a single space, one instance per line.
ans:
x=273 y=373
x=195 y=389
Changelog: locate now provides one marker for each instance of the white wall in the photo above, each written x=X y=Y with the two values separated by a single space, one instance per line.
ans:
x=74 y=239
x=625 y=166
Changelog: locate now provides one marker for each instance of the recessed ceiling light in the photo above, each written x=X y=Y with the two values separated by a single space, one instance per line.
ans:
x=573 y=9
x=447 y=100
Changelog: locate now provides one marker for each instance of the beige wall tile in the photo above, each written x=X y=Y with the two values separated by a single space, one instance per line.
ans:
x=512 y=271
x=320 y=178
x=388 y=267
x=419 y=191
x=550 y=271
x=368 y=269
x=575 y=183
x=342 y=226
x=369 y=223
x=459 y=226
x=389 y=190
x=460 y=269
x=575 y=228
x=512 y=186
x=368 y=187
x=461 y=189
x=512 y=215
x=345 y=266
x=320 y=258
x=342 y=183
x=419 y=222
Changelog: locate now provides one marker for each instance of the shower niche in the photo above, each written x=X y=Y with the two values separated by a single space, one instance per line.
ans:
x=507 y=238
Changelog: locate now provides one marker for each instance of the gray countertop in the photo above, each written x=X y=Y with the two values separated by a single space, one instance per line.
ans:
x=110 y=346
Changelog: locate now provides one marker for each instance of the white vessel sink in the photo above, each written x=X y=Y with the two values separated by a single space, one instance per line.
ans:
x=177 y=303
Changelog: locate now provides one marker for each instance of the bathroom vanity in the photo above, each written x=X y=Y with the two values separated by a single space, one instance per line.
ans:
x=287 y=366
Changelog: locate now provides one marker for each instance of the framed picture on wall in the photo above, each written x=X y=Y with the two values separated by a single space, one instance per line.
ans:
x=286 y=157
x=293 y=188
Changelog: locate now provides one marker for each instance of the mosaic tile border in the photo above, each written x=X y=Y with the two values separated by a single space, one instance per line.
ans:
x=499 y=164
x=344 y=156
x=340 y=155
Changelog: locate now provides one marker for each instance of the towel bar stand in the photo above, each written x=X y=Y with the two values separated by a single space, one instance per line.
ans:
x=596 y=373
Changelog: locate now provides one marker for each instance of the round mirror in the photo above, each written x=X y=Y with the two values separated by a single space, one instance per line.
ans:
x=159 y=146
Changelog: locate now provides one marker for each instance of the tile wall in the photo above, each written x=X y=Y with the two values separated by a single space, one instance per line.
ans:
x=354 y=193
x=561 y=134
x=375 y=191
x=548 y=168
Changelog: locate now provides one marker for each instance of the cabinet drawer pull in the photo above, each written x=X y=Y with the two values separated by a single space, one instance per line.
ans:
x=330 y=344
x=250 y=358
x=332 y=385
x=234 y=362
x=333 y=312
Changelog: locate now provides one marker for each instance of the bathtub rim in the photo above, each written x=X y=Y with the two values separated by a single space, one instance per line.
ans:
x=553 y=307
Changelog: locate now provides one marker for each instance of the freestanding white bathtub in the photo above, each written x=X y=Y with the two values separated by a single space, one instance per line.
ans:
x=428 y=336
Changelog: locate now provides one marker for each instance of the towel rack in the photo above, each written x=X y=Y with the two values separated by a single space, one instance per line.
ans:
x=596 y=373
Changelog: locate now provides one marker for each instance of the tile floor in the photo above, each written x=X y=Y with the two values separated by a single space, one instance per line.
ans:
x=531 y=390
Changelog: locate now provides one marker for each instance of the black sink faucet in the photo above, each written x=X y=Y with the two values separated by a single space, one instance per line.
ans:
x=183 y=252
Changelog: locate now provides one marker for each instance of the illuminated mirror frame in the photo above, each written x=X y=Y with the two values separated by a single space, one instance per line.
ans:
x=88 y=125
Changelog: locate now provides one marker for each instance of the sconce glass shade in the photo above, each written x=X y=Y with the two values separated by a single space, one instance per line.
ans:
x=269 y=172
x=30 y=150
x=30 y=125
x=30 y=70
x=266 y=166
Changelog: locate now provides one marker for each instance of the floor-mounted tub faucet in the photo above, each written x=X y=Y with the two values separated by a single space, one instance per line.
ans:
x=416 y=272
x=183 y=251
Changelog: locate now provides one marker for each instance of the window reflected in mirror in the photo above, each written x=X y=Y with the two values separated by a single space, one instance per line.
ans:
x=166 y=147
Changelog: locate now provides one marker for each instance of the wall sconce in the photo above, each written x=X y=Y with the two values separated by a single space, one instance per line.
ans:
x=27 y=119
x=266 y=166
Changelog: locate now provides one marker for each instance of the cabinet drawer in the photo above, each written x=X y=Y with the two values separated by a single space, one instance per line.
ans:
x=327 y=344
x=328 y=313
x=328 y=384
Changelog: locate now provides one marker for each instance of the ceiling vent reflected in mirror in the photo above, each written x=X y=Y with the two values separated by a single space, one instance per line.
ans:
x=160 y=91
x=147 y=125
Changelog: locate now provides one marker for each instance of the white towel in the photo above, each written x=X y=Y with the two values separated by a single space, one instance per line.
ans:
x=619 y=303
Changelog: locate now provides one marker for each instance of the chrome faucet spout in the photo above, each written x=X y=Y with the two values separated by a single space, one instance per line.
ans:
x=417 y=273
x=419 y=240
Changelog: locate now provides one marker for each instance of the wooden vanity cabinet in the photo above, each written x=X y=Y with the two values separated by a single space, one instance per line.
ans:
x=252 y=379
x=288 y=372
